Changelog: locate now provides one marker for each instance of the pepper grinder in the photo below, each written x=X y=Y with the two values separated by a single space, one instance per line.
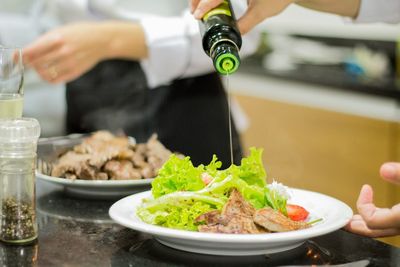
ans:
x=18 y=144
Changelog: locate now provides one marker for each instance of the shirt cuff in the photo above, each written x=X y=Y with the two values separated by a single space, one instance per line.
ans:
x=168 y=48
x=379 y=11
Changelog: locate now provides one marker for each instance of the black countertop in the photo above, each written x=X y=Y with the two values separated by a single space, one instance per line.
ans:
x=76 y=232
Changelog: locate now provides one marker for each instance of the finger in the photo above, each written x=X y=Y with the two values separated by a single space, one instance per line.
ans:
x=391 y=172
x=204 y=6
x=376 y=218
x=42 y=46
x=366 y=196
x=358 y=226
x=193 y=5
x=53 y=73
x=48 y=74
x=44 y=75
x=54 y=57
x=249 y=20
x=70 y=71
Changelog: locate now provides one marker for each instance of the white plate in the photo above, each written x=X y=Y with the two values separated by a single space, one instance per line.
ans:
x=335 y=215
x=49 y=150
x=98 y=189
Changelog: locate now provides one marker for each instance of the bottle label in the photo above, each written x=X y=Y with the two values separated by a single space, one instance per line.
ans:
x=221 y=9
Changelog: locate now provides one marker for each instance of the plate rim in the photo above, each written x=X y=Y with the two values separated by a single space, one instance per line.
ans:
x=93 y=183
x=229 y=238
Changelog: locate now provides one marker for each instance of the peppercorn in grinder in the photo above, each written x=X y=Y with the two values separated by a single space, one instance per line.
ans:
x=18 y=143
x=221 y=38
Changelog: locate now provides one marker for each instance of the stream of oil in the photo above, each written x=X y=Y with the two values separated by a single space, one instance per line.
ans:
x=229 y=96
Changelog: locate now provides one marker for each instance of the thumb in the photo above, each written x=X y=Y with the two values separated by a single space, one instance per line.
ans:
x=391 y=172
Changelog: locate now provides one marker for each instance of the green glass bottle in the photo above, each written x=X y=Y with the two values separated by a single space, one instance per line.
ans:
x=221 y=38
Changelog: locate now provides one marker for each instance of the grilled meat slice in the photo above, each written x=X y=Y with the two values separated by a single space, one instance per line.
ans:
x=234 y=225
x=103 y=146
x=237 y=205
x=211 y=218
x=239 y=217
x=121 y=170
x=157 y=154
x=70 y=162
x=236 y=217
x=275 y=221
x=104 y=156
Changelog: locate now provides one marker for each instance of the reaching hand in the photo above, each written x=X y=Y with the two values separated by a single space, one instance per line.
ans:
x=257 y=11
x=66 y=53
x=371 y=220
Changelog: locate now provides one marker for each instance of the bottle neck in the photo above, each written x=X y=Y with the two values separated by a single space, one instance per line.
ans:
x=225 y=56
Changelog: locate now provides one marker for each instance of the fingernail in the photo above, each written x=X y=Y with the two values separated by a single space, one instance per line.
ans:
x=389 y=170
x=197 y=14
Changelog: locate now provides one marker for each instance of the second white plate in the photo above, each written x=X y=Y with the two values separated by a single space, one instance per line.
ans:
x=335 y=215
x=98 y=189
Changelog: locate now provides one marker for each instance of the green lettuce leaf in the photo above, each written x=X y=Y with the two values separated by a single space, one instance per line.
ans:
x=178 y=210
x=252 y=170
x=180 y=195
x=275 y=200
x=177 y=174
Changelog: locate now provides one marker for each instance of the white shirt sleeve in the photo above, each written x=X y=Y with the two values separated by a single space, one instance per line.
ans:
x=379 y=11
x=175 y=47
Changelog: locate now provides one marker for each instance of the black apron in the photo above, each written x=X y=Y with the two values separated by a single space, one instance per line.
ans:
x=190 y=115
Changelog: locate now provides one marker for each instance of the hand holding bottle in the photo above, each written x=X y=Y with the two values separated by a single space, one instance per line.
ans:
x=371 y=220
x=259 y=10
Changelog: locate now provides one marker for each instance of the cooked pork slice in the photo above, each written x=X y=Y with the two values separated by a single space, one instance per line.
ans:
x=102 y=176
x=125 y=154
x=70 y=162
x=236 y=217
x=87 y=172
x=213 y=228
x=71 y=176
x=141 y=149
x=237 y=205
x=211 y=218
x=138 y=160
x=158 y=151
x=103 y=146
x=104 y=156
x=235 y=225
x=275 y=221
x=121 y=170
x=148 y=172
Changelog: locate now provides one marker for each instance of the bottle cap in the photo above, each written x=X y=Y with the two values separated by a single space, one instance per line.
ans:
x=227 y=63
x=226 y=58
x=20 y=130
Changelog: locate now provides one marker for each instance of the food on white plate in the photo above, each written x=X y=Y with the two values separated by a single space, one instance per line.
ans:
x=236 y=200
x=240 y=217
x=276 y=221
x=104 y=156
x=236 y=217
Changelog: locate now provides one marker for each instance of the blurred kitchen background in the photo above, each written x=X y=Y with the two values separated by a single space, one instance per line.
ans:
x=321 y=96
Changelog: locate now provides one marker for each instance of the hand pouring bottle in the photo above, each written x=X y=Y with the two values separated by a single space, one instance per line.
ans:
x=221 y=38
x=18 y=143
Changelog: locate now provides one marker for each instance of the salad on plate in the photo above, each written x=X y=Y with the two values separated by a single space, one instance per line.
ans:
x=236 y=200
